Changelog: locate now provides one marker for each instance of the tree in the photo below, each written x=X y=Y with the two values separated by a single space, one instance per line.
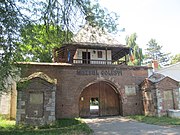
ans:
x=69 y=13
x=136 y=50
x=11 y=20
x=175 y=59
x=37 y=44
x=153 y=52
x=65 y=15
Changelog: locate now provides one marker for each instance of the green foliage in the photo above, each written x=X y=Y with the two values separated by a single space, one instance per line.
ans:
x=70 y=13
x=6 y=124
x=175 y=59
x=137 y=51
x=154 y=52
x=131 y=40
x=97 y=16
x=38 y=42
x=62 y=126
x=10 y=22
x=156 y=120
x=22 y=85
x=55 y=19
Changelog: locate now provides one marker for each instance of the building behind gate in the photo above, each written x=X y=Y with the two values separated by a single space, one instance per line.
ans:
x=92 y=79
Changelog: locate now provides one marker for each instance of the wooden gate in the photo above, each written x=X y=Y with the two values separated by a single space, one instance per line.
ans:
x=109 y=103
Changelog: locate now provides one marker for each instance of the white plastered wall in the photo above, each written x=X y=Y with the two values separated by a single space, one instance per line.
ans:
x=93 y=55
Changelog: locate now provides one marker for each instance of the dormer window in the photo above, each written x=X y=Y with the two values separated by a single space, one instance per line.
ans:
x=99 y=53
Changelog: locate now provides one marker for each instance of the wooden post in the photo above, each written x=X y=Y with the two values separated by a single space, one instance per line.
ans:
x=126 y=58
x=13 y=101
x=106 y=55
x=86 y=56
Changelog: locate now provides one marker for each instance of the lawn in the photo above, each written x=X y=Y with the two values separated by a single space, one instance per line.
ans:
x=156 y=120
x=62 y=126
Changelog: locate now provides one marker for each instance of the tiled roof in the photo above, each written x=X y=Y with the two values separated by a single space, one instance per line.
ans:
x=89 y=44
x=156 y=77
x=94 y=35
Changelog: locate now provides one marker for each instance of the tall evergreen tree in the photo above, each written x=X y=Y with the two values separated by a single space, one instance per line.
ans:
x=175 y=59
x=154 y=52
x=136 y=50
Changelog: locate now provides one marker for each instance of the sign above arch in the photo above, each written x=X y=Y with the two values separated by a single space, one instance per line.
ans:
x=106 y=72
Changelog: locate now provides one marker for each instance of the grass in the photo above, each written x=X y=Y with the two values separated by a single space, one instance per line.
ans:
x=156 y=120
x=62 y=126
x=6 y=123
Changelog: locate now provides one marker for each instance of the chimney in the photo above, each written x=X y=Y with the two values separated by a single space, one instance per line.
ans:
x=155 y=65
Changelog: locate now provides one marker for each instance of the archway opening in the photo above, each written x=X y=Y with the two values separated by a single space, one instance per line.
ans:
x=94 y=106
x=99 y=99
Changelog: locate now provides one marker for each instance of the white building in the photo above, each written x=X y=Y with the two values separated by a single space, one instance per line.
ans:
x=172 y=71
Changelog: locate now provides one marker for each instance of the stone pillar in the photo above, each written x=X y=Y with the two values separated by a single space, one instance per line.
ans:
x=13 y=101
x=20 y=108
x=159 y=102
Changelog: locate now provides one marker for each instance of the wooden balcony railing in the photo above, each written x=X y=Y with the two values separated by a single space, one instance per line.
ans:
x=103 y=62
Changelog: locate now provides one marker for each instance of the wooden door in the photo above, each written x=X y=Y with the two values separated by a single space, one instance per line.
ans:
x=85 y=97
x=168 y=100
x=107 y=97
x=109 y=100
x=86 y=57
x=84 y=110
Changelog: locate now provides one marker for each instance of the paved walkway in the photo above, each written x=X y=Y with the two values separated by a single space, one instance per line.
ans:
x=121 y=126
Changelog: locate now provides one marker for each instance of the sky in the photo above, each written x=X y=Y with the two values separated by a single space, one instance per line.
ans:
x=157 y=19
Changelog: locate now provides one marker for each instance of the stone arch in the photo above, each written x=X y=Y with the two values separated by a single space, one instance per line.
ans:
x=85 y=84
x=107 y=94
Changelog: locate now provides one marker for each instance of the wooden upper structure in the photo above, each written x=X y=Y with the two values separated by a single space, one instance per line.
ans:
x=91 y=53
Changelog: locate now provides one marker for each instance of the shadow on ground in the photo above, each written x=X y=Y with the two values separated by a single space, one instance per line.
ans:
x=122 y=126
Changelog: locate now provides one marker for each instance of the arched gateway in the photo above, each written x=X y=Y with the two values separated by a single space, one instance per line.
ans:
x=99 y=99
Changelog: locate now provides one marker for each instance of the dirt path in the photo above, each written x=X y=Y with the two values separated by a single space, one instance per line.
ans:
x=121 y=126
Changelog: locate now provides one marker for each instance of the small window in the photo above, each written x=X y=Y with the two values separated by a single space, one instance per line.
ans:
x=99 y=54
x=35 y=106
x=130 y=90
x=36 y=98
x=168 y=95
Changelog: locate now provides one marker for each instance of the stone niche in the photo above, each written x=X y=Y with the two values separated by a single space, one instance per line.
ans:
x=160 y=94
x=36 y=100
